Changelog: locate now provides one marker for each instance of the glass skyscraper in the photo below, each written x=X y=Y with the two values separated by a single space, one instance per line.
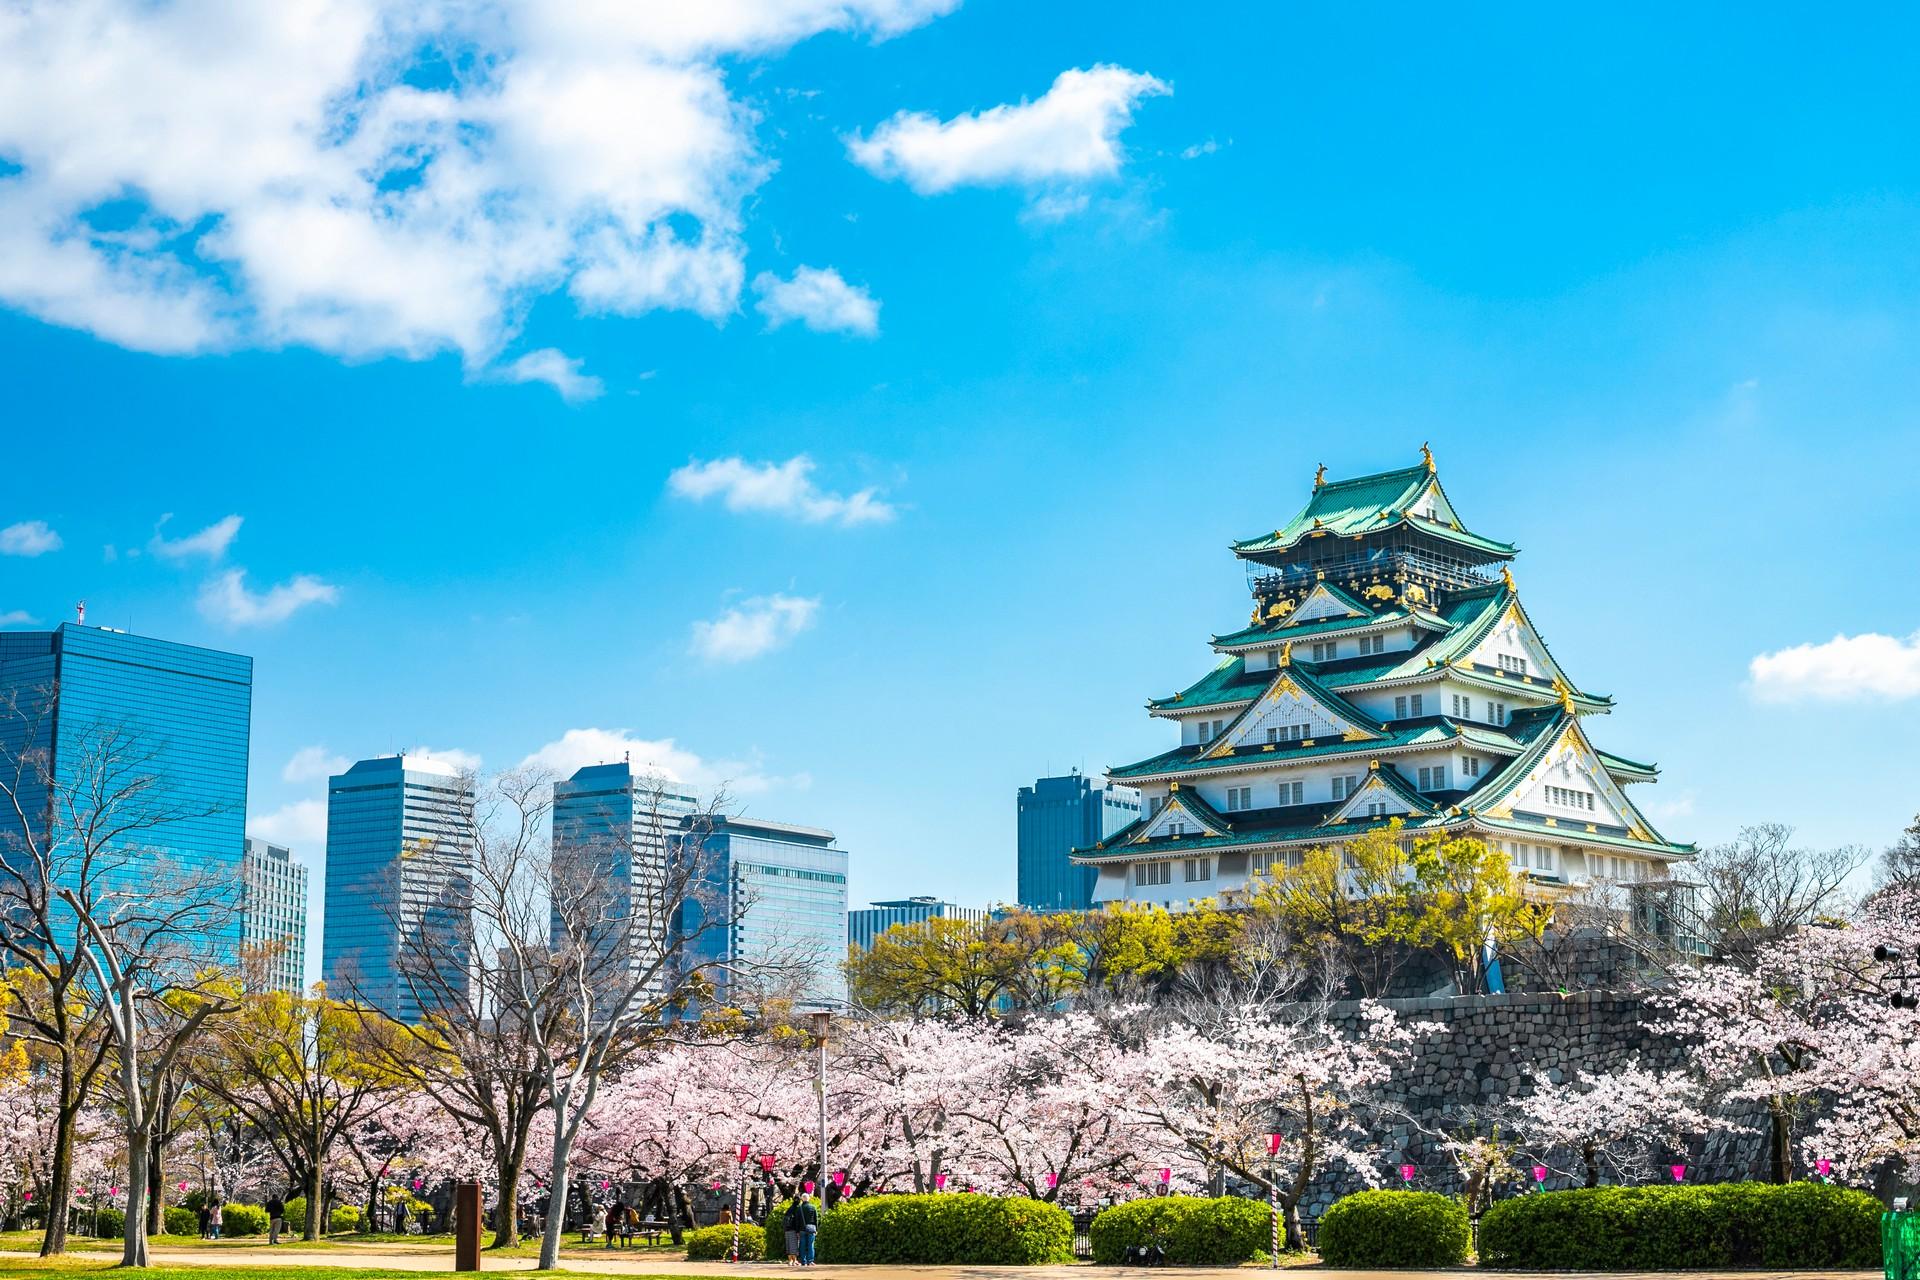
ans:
x=782 y=892
x=398 y=863
x=1057 y=816
x=274 y=914
x=868 y=923
x=613 y=826
x=176 y=714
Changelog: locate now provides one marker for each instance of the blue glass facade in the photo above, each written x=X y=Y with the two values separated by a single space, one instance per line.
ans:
x=868 y=923
x=376 y=810
x=1057 y=816
x=783 y=892
x=185 y=714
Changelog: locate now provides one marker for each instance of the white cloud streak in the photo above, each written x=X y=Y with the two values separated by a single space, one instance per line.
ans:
x=1070 y=134
x=1845 y=668
x=662 y=758
x=16 y=618
x=228 y=600
x=214 y=174
x=301 y=825
x=313 y=764
x=210 y=543
x=558 y=370
x=754 y=627
x=819 y=299
x=28 y=538
x=776 y=488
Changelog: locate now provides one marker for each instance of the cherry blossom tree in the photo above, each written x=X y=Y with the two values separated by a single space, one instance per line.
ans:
x=1616 y=1122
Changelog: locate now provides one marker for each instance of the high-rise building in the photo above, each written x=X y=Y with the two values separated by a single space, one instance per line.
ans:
x=175 y=714
x=613 y=826
x=868 y=923
x=1057 y=816
x=1389 y=673
x=399 y=844
x=273 y=911
x=782 y=894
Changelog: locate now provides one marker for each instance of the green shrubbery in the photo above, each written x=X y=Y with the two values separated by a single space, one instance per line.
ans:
x=242 y=1220
x=1194 y=1231
x=946 y=1228
x=1734 y=1224
x=712 y=1244
x=1413 y=1229
x=181 y=1221
x=775 y=1231
x=109 y=1224
x=343 y=1220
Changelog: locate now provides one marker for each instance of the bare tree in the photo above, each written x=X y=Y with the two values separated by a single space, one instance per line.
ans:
x=1760 y=886
x=1900 y=862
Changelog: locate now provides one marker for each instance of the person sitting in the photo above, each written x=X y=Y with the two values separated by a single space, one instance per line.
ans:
x=613 y=1222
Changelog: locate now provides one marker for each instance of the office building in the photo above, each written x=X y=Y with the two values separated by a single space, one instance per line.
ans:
x=773 y=919
x=273 y=914
x=1057 y=816
x=610 y=828
x=398 y=848
x=173 y=716
x=868 y=923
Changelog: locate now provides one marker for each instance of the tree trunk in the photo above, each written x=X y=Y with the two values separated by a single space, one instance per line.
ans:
x=1296 y=1238
x=316 y=1211
x=557 y=1179
x=156 y=1189
x=60 y=1169
x=133 y=1253
x=1592 y=1162
x=507 y=1233
x=1779 y=1141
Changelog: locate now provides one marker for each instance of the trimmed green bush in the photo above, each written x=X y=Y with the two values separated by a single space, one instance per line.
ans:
x=344 y=1220
x=1196 y=1231
x=242 y=1220
x=713 y=1244
x=180 y=1221
x=296 y=1214
x=946 y=1228
x=1411 y=1229
x=109 y=1224
x=1731 y=1224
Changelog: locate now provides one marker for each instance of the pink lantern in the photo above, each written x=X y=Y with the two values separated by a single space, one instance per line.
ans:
x=766 y=1164
x=745 y=1151
x=183 y=1188
x=1406 y=1172
x=113 y=1191
x=416 y=1184
x=1825 y=1167
x=29 y=1195
x=1166 y=1176
x=807 y=1187
x=939 y=1182
x=1053 y=1180
x=715 y=1186
x=1273 y=1143
x=839 y=1177
x=1679 y=1172
x=1539 y=1173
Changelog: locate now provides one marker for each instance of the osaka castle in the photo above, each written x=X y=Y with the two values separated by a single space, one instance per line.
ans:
x=1389 y=671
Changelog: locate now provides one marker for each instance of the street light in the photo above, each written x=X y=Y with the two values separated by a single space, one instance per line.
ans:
x=821 y=1018
x=739 y=1201
x=1273 y=1193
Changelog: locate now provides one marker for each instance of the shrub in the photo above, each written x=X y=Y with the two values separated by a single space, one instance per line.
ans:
x=1733 y=1224
x=1195 y=1231
x=296 y=1214
x=1411 y=1229
x=109 y=1224
x=934 y=1230
x=712 y=1244
x=242 y=1220
x=344 y=1220
x=181 y=1221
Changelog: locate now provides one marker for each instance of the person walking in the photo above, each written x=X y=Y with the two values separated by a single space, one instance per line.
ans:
x=205 y=1214
x=809 y=1227
x=400 y=1218
x=791 y=1227
x=213 y=1221
x=276 y=1218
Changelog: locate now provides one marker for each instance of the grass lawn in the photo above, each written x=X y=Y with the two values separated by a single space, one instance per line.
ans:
x=570 y=1246
x=74 y=1269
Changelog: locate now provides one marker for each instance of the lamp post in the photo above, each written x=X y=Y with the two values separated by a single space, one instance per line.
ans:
x=1273 y=1195
x=821 y=1018
x=739 y=1201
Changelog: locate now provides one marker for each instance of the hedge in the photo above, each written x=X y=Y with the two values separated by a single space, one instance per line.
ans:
x=344 y=1219
x=242 y=1220
x=1195 y=1231
x=109 y=1224
x=946 y=1228
x=181 y=1221
x=1733 y=1224
x=713 y=1244
x=1413 y=1229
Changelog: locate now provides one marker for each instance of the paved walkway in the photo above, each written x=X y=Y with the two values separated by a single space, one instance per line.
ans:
x=404 y=1258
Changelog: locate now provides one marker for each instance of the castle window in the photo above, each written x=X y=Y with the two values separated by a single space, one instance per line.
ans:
x=1433 y=778
x=1372 y=644
x=1199 y=869
x=1496 y=713
x=1508 y=662
x=1470 y=765
x=1295 y=732
x=1147 y=874
x=1292 y=792
x=1155 y=804
x=1462 y=706
x=1239 y=798
x=1377 y=809
x=1345 y=786
x=1326 y=652
x=1416 y=704
x=1400 y=707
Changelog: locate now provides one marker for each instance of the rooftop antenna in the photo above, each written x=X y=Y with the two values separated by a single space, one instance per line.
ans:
x=81 y=609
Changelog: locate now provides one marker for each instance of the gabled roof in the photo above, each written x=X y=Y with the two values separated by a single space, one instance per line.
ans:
x=1387 y=779
x=1368 y=504
x=1431 y=732
x=1227 y=684
x=1289 y=679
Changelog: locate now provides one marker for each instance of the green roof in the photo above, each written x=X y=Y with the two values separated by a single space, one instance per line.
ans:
x=1318 y=627
x=1230 y=681
x=1367 y=504
x=1186 y=759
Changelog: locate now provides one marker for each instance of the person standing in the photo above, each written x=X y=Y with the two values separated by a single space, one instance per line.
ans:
x=790 y=1227
x=613 y=1222
x=213 y=1221
x=276 y=1218
x=204 y=1213
x=809 y=1227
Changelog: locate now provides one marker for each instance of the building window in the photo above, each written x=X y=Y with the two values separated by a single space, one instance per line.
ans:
x=1542 y=858
x=1205 y=733
x=1400 y=707
x=1155 y=804
x=1377 y=809
x=1292 y=792
x=1433 y=778
x=1198 y=869
x=1496 y=713
x=1295 y=732
x=1239 y=798
x=1470 y=766
x=1344 y=786
x=1148 y=874
x=1462 y=706
x=1568 y=798
x=1327 y=651
x=1416 y=704
x=1372 y=644
x=1508 y=662
x=1273 y=735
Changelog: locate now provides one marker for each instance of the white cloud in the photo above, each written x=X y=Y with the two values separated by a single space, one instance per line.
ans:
x=818 y=298
x=451 y=759
x=28 y=538
x=300 y=825
x=224 y=173
x=1844 y=668
x=313 y=764
x=657 y=757
x=1676 y=806
x=781 y=488
x=558 y=370
x=16 y=618
x=210 y=543
x=227 y=599
x=1069 y=134
x=754 y=627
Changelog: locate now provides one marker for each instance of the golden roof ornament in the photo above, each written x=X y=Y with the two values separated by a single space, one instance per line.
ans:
x=1426 y=455
x=1506 y=577
x=1320 y=475
x=1286 y=654
x=1565 y=691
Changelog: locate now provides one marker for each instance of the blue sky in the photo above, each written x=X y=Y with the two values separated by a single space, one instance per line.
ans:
x=1645 y=279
